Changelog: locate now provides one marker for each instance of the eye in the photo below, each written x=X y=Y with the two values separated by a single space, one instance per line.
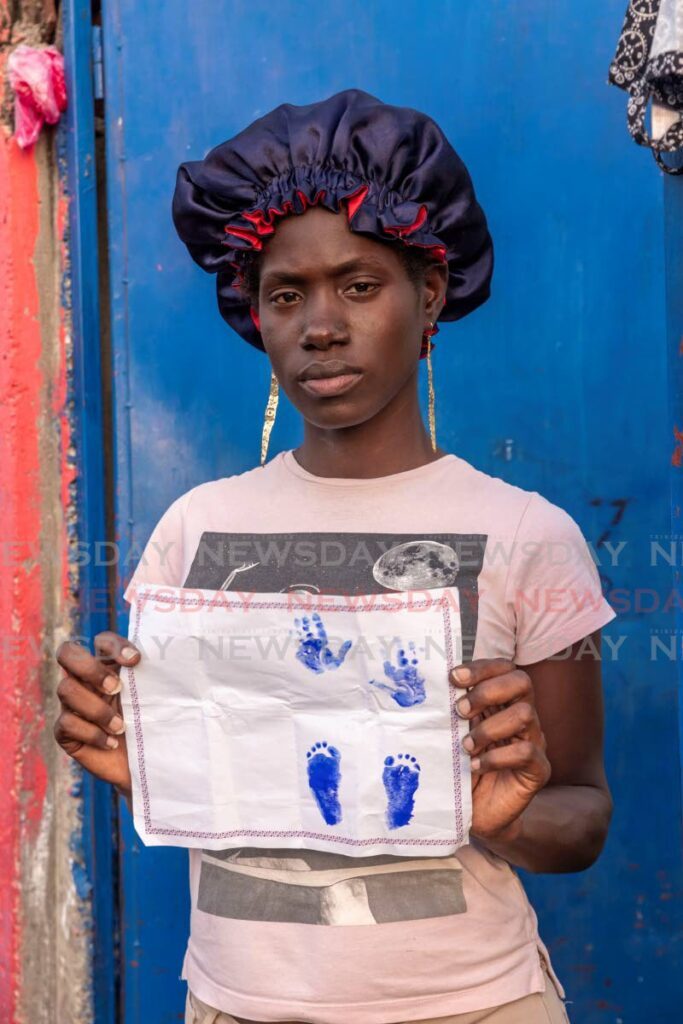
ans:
x=365 y=287
x=288 y=298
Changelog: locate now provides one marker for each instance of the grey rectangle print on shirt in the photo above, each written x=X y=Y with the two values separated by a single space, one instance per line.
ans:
x=245 y=885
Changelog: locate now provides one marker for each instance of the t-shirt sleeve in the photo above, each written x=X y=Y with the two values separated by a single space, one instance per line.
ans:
x=162 y=560
x=553 y=594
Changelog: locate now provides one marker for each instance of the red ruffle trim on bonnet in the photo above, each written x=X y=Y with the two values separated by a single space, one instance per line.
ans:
x=264 y=220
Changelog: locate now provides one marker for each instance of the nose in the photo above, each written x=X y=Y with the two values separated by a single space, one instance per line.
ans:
x=324 y=324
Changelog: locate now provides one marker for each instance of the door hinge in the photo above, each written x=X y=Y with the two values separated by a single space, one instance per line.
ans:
x=97 y=63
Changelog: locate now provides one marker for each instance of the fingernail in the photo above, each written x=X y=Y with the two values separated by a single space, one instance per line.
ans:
x=464 y=707
x=112 y=742
x=111 y=684
x=462 y=674
x=475 y=764
x=116 y=725
x=128 y=653
x=468 y=743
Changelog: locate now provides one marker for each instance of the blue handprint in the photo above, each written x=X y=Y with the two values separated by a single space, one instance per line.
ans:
x=408 y=685
x=314 y=651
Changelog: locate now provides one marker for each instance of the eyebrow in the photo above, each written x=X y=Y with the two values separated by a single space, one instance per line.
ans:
x=273 y=277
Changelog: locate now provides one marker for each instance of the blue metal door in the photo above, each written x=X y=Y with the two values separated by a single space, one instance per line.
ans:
x=561 y=379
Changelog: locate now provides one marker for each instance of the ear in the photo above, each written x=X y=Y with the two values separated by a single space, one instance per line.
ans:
x=435 y=285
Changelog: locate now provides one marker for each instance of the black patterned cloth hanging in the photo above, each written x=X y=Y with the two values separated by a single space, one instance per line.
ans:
x=648 y=64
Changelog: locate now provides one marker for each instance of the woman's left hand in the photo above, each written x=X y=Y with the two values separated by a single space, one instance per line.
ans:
x=506 y=744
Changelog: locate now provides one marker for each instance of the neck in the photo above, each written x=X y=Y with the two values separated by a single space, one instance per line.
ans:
x=393 y=441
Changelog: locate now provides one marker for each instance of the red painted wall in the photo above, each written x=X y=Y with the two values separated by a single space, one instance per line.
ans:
x=34 y=584
x=22 y=770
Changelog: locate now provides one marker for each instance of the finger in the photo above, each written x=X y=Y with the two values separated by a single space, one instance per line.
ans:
x=517 y=721
x=521 y=756
x=76 y=697
x=492 y=693
x=72 y=733
x=474 y=671
x=84 y=666
x=115 y=650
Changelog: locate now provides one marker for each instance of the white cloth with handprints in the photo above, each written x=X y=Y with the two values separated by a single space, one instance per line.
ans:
x=297 y=720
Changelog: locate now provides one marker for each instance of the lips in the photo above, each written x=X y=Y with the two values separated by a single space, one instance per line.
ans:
x=329 y=377
x=327 y=368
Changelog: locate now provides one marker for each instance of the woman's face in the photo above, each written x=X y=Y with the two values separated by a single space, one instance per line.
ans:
x=332 y=301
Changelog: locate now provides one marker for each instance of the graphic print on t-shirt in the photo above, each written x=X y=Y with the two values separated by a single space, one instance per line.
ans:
x=315 y=887
x=344 y=563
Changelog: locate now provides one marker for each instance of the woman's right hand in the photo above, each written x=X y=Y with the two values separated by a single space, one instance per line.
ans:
x=90 y=726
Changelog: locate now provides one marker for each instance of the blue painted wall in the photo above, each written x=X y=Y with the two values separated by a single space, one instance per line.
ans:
x=76 y=148
x=559 y=384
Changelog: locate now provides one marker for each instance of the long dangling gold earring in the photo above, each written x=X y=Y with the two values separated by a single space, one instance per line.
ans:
x=269 y=417
x=430 y=385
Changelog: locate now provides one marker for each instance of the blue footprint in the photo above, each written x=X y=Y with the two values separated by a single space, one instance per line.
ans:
x=408 y=686
x=323 y=778
x=401 y=779
x=314 y=650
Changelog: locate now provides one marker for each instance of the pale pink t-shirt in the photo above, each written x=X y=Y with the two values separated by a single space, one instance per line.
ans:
x=308 y=936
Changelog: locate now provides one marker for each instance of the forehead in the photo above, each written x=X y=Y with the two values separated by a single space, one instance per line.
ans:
x=320 y=239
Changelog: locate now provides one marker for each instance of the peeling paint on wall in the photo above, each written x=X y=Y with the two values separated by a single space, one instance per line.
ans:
x=45 y=927
x=677 y=455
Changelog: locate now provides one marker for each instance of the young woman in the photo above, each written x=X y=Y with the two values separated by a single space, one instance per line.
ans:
x=340 y=232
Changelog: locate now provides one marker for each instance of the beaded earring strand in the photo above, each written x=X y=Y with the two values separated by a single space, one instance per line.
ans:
x=269 y=417
x=430 y=384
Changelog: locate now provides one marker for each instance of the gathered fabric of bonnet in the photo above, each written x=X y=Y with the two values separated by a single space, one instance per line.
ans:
x=303 y=935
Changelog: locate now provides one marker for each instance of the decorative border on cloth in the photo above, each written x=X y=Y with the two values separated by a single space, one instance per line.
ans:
x=267 y=834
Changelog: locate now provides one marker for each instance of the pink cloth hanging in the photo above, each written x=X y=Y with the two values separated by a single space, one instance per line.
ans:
x=37 y=77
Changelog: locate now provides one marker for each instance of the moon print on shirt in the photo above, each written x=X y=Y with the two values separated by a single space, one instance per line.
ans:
x=417 y=565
